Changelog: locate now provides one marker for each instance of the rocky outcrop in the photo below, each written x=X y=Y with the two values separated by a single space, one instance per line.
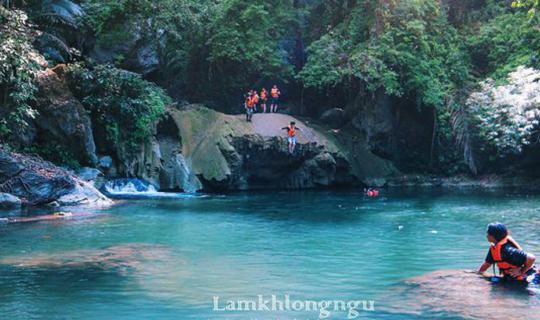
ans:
x=38 y=182
x=62 y=118
x=197 y=148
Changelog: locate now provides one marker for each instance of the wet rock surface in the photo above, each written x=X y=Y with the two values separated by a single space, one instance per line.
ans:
x=464 y=294
x=119 y=258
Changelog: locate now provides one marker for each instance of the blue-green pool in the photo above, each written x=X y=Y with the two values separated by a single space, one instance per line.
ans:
x=168 y=258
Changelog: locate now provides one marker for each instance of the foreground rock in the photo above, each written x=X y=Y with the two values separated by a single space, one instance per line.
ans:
x=8 y=201
x=38 y=182
x=198 y=148
x=462 y=294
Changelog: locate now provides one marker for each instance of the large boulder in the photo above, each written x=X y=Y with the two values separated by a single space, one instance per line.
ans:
x=197 y=148
x=8 y=201
x=62 y=117
x=38 y=182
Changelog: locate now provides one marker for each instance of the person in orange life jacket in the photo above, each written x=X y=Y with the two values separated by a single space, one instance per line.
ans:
x=264 y=98
x=249 y=105
x=291 y=135
x=274 y=98
x=514 y=263
x=255 y=98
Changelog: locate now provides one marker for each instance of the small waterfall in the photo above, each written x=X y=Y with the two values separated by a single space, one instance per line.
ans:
x=187 y=179
x=128 y=186
x=132 y=188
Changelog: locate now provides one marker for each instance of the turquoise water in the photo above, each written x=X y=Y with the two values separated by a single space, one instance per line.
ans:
x=168 y=258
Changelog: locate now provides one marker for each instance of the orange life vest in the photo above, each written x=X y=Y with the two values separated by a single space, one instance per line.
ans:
x=250 y=102
x=496 y=254
x=263 y=95
x=255 y=99
x=274 y=92
x=292 y=131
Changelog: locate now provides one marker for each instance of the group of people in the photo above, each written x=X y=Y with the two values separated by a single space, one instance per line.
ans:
x=255 y=102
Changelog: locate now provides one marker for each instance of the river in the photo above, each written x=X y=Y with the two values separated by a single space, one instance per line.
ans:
x=186 y=257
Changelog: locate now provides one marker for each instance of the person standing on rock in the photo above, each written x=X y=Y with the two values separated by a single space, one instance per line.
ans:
x=249 y=105
x=264 y=98
x=274 y=98
x=291 y=135
x=255 y=98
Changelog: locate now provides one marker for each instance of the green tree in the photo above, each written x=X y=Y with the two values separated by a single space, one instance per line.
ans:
x=408 y=49
x=19 y=64
x=504 y=43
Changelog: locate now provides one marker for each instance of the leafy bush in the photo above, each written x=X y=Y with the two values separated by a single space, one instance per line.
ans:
x=19 y=64
x=121 y=102
x=507 y=116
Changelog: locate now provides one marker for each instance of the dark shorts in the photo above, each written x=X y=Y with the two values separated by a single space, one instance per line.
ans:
x=274 y=100
x=532 y=277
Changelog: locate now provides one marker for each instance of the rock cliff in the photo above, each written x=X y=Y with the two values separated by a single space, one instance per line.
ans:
x=197 y=148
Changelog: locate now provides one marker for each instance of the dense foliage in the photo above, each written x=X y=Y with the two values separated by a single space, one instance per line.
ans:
x=416 y=52
x=122 y=103
x=504 y=43
x=444 y=60
x=19 y=63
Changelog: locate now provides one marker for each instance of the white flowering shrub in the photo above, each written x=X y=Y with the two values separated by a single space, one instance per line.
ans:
x=507 y=116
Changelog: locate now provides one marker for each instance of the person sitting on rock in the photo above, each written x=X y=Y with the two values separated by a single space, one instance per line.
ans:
x=291 y=135
x=264 y=98
x=514 y=263
x=274 y=98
